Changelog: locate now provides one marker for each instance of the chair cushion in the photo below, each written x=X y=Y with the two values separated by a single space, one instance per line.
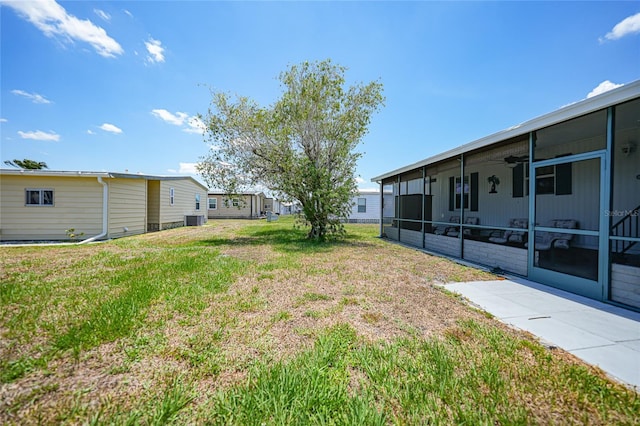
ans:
x=564 y=223
x=516 y=237
x=498 y=240
x=519 y=223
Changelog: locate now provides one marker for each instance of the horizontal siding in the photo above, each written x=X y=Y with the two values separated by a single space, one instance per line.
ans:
x=372 y=207
x=391 y=232
x=511 y=259
x=625 y=285
x=232 y=212
x=442 y=244
x=185 y=191
x=413 y=238
x=77 y=204
x=127 y=207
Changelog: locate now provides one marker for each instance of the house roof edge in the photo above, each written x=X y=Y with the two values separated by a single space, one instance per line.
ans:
x=619 y=95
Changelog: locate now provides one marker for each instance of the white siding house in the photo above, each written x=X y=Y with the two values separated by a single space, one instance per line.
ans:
x=366 y=207
x=555 y=199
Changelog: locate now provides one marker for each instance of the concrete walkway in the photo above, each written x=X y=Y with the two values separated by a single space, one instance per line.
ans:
x=602 y=335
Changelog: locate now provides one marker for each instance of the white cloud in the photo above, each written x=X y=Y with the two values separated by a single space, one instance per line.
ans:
x=195 y=126
x=39 y=135
x=53 y=20
x=176 y=119
x=128 y=13
x=101 y=13
x=359 y=180
x=91 y=132
x=188 y=168
x=155 y=49
x=605 y=86
x=110 y=128
x=35 y=98
x=3 y=120
x=628 y=26
x=193 y=123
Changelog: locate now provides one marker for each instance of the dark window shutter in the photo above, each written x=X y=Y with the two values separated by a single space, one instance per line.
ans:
x=518 y=181
x=452 y=193
x=474 y=192
x=563 y=179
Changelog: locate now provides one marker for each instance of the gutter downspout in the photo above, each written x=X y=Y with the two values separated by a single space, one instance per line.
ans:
x=381 y=208
x=105 y=205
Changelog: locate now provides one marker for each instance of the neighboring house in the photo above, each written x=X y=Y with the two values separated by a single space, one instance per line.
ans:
x=555 y=199
x=249 y=205
x=290 y=207
x=44 y=204
x=271 y=205
x=286 y=208
x=366 y=207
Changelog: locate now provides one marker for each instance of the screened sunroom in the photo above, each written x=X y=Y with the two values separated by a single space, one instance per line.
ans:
x=555 y=199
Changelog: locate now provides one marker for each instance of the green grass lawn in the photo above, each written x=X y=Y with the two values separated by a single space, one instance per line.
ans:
x=246 y=322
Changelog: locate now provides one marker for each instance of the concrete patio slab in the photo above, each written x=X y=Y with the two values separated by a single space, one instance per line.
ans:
x=600 y=334
x=559 y=333
x=621 y=362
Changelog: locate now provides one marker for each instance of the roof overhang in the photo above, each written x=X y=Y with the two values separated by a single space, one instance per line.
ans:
x=106 y=175
x=613 y=97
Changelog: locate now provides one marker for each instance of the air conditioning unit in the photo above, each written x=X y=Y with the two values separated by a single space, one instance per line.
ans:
x=194 y=220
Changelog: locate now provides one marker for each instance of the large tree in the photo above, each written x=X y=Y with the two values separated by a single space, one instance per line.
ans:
x=302 y=147
x=27 y=164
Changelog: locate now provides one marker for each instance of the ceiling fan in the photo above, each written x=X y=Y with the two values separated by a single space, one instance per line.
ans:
x=513 y=160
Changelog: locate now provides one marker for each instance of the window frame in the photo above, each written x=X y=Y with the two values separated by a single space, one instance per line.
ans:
x=362 y=207
x=41 y=197
x=460 y=186
x=232 y=202
x=215 y=203
x=547 y=180
x=198 y=202
x=172 y=196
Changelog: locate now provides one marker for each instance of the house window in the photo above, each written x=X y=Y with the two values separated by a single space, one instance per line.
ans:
x=197 y=201
x=232 y=202
x=545 y=180
x=171 y=196
x=549 y=179
x=235 y=202
x=39 y=197
x=362 y=205
x=462 y=191
x=213 y=203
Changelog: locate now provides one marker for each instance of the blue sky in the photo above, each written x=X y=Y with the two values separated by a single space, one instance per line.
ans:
x=115 y=86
